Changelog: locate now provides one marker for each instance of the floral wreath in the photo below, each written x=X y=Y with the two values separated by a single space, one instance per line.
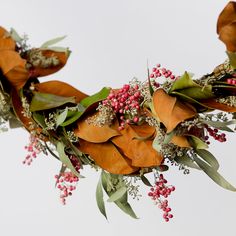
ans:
x=143 y=127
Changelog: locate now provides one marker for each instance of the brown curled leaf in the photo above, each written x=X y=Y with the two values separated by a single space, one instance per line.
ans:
x=227 y=16
x=96 y=134
x=13 y=68
x=6 y=41
x=107 y=156
x=60 y=89
x=170 y=111
x=180 y=141
x=228 y=36
x=140 y=152
x=42 y=62
x=219 y=106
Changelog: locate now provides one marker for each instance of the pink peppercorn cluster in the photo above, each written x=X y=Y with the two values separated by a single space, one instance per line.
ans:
x=126 y=104
x=231 y=81
x=221 y=137
x=33 y=149
x=66 y=182
x=159 y=71
x=160 y=191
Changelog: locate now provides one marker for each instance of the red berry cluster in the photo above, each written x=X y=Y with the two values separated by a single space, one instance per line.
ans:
x=231 y=81
x=33 y=149
x=159 y=191
x=159 y=71
x=66 y=182
x=125 y=103
x=221 y=137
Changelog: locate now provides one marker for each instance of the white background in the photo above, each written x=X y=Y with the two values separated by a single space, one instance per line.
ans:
x=111 y=42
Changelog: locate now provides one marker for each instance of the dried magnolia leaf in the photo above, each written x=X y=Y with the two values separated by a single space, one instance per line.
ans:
x=13 y=67
x=170 y=111
x=140 y=152
x=107 y=156
x=227 y=16
x=6 y=42
x=60 y=89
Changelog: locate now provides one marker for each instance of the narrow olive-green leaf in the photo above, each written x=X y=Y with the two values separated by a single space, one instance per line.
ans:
x=52 y=42
x=232 y=58
x=151 y=91
x=196 y=142
x=187 y=161
x=208 y=157
x=15 y=35
x=40 y=119
x=220 y=124
x=44 y=101
x=122 y=203
x=156 y=144
x=213 y=174
x=117 y=194
x=146 y=181
x=14 y=123
x=65 y=159
x=169 y=136
x=86 y=103
x=61 y=117
x=97 y=97
x=99 y=198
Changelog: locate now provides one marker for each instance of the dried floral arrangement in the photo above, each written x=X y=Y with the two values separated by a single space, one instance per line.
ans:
x=143 y=127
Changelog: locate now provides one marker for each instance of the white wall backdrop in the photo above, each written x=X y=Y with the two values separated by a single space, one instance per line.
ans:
x=111 y=42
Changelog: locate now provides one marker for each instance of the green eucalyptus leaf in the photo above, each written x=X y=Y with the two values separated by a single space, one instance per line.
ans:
x=146 y=181
x=61 y=117
x=97 y=97
x=14 y=123
x=220 y=124
x=187 y=161
x=156 y=144
x=15 y=36
x=52 y=42
x=169 y=136
x=40 y=119
x=99 y=198
x=208 y=157
x=86 y=103
x=196 y=142
x=117 y=194
x=162 y=168
x=44 y=101
x=213 y=174
x=65 y=159
x=122 y=202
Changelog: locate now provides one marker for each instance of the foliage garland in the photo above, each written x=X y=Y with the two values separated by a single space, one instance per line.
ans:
x=125 y=133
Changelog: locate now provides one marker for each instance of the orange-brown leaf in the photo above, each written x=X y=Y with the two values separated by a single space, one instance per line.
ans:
x=95 y=134
x=40 y=70
x=60 y=89
x=6 y=42
x=227 y=16
x=219 y=106
x=107 y=157
x=139 y=151
x=170 y=111
x=228 y=36
x=13 y=67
